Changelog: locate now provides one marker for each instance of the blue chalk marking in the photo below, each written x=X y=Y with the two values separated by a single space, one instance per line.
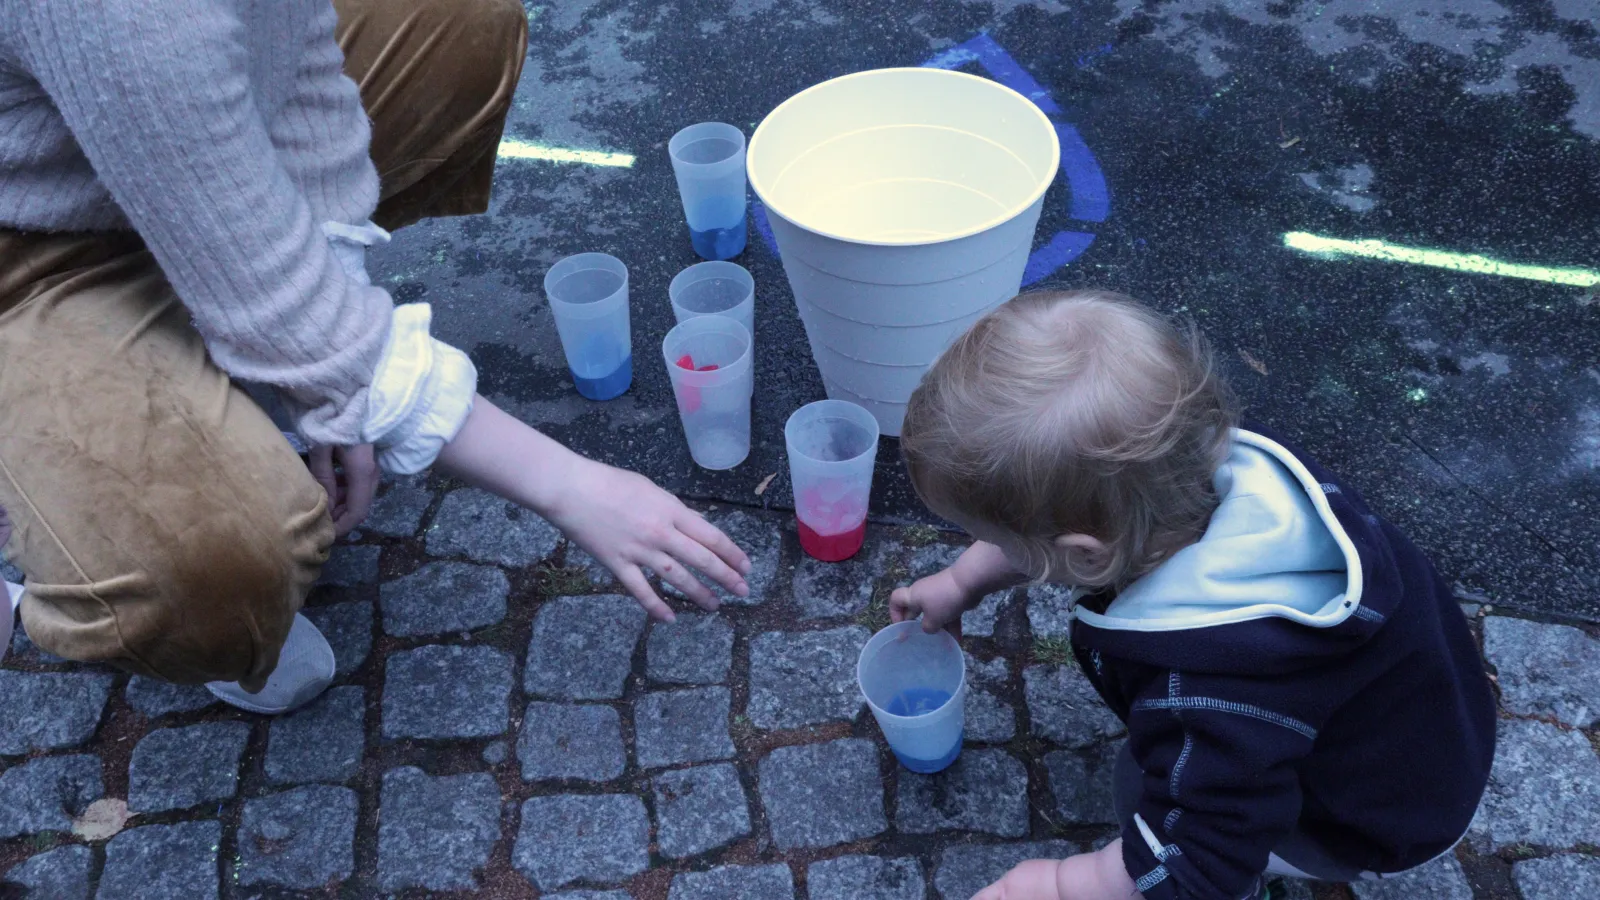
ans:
x=1091 y=198
x=1065 y=247
x=1089 y=195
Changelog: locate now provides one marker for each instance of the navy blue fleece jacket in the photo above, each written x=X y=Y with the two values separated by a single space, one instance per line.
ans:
x=1302 y=666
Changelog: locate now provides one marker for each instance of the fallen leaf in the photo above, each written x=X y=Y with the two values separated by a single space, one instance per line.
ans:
x=1252 y=362
x=103 y=819
x=1284 y=145
x=765 y=483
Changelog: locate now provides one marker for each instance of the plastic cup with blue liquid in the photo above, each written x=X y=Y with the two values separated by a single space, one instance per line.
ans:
x=709 y=161
x=588 y=296
x=916 y=685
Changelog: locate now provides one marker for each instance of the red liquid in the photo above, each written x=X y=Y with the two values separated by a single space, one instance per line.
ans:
x=688 y=395
x=832 y=547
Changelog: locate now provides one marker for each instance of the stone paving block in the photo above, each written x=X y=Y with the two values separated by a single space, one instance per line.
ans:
x=46 y=794
x=559 y=741
x=444 y=597
x=1066 y=708
x=348 y=628
x=1049 y=612
x=1558 y=877
x=569 y=838
x=481 y=527
x=398 y=513
x=176 y=768
x=304 y=838
x=773 y=882
x=989 y=719
x=980 y=622
x=1290 y=889
x=932 y=559
x=160 y=862
x=865 y=878
x=349 y=566
x=26 y=651
x=590 y=895
x=761 y=538
x=1545 y=670
x=436 y=833
x=582 y=647
x=700 y=809
x=579 y=559
x=324 y=741
x=675 y=727
x=1082 y=784
x=442 y=691
x=1544 y=789
x=696 y=649
x=833 y=590
x=50 y=711
x=11 y=573
x=151 y=697
x=966 y=869
x=805 y=678
x=59 y=874
x=820 y=795
x=985 y=790
x=1441 y=879
x=496 y=752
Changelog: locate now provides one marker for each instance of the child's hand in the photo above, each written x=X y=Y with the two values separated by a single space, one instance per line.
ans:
x=939 y=599
x=1033 y=880
x=1088 y=876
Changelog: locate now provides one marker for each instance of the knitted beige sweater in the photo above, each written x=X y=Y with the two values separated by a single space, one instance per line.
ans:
x=226 y=134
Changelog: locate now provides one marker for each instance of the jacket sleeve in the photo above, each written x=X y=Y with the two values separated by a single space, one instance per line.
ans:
x=1218 y=787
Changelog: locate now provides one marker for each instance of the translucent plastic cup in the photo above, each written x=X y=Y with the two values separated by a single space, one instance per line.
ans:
x=715 y=289
x=710 y=362
x=833 y=445
x=916 y=686
x=588 y=296
x=709 y=161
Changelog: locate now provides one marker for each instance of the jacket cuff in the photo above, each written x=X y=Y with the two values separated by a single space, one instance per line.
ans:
x=421 y=394
x=1145 y=858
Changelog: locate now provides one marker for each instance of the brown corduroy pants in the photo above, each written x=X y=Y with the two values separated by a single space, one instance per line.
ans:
x=164 y=524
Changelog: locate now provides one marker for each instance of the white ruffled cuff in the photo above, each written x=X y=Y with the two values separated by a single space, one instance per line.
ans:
x=421 y=394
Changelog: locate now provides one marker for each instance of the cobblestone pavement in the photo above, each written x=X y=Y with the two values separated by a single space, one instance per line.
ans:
x=506 y=723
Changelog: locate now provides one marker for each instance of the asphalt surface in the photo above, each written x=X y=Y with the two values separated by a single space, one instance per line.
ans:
x=1466 y=407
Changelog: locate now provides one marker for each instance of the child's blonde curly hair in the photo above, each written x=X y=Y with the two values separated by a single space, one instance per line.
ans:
x=1080 y=412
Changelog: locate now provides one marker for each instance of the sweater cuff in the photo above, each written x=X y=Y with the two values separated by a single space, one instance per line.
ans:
x=421 y=394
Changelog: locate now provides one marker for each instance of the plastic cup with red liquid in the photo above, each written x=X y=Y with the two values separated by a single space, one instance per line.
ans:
x=709 y=361
x=833 y=445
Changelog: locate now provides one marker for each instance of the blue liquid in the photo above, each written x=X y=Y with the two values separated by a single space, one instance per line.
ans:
x=920 y=702
x=722 y=241
x=606 y=387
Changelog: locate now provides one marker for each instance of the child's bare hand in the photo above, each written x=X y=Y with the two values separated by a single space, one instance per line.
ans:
x=939 y=599
x=1033 y=880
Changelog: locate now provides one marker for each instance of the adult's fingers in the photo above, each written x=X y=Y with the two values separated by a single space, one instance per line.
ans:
x=697 y=556
x=683 y=578
x=712 y=538
x=633 y=581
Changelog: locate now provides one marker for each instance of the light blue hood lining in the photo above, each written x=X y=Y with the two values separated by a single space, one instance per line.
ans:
x=1273 y=550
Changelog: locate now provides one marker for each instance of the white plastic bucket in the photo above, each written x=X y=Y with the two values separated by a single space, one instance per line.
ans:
x=904 y=203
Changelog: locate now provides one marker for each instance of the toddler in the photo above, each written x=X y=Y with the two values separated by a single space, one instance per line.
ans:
x=1302 y=694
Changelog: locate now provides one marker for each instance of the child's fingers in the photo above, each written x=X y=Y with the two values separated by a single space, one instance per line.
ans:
x=901 y=606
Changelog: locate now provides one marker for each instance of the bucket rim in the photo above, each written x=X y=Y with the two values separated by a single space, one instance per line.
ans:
x=752 y=148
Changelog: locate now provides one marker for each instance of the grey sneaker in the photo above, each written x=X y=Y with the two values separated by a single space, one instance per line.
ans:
x=305 y=669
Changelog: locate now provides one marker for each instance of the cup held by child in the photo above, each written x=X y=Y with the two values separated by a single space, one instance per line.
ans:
x=915 y=685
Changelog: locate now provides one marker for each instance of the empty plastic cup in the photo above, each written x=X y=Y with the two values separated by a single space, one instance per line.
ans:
x=709 y=161
x=588 y=296
x=709 y=360
x=715 y=289
x=833 y=445
x=904 y=202
x=916 y=686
